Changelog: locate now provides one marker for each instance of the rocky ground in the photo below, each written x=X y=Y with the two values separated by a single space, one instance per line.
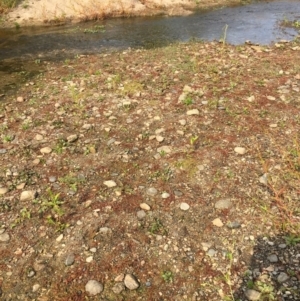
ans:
x=162 y=174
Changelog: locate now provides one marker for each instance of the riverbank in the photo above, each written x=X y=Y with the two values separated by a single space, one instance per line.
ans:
x=43 y=12
x=159 y=174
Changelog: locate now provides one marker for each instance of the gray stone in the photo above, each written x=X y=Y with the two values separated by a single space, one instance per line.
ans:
x=105 y=230
x=93 y=287
x=273 y=258
x=234 y=225
x=131 y=282
x=223 y=204
x=70 y=259
x=2 y=151
x=141 y=214
x=52 y=179
x=263 y=179
x=252 y=295
x=151 y=191
x=211 y=252
x=118 y=288
x=282 y=277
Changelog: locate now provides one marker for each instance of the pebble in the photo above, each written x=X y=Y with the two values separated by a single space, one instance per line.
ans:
x=93 y=287
x=252 y=295
x=70 y=259
x=234 y=225
x=120 y=278
x=89 y=259
x=20 y=99
x=182 y=122
x=263 y=179
x=211 y=252
x=28 y=195
x=2 y=150
x=59 y=238
x=273 y=258
x=193 y=112
x=4 y=237
x=151 y=191
x=145 y=206
x=86 y=126
x=52 y=179
x=118 y=288
x=167 y=149
x=282 y=277
x=72 y=138
x=46 y=150
x=165 y=195
x=38 y=137
x=240 y=150
x=131 y=282
x=21 y=186
x=184 y=206
x=223 y=204
x=269 y=97
x=3 y=190
x=217 y=222
x=141 y=214
x=35 y=287
x=110 y=183
x=178 y=193
x=31 y=273
x=159 y=138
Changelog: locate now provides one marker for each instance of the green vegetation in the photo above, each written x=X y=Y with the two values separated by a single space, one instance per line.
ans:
x=5 y=5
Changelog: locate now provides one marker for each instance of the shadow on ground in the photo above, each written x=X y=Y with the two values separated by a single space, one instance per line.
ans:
x=274 y=270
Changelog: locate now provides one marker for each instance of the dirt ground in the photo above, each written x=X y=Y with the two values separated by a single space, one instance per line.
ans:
x=57 y=11
x=153 y=174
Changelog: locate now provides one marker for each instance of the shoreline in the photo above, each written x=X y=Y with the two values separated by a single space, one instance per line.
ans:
x=45 y=13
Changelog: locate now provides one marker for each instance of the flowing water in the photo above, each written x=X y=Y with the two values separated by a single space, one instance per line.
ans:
x=258 y=22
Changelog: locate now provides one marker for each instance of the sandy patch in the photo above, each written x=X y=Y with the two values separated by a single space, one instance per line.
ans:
x=57 y=11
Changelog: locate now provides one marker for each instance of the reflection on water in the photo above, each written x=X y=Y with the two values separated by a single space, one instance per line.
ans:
x=258 y=22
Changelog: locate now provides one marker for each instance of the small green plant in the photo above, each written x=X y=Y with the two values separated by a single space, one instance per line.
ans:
x=24 y=214
x=25 y=125
x=8 y=138
x=17 y=25
x=167 y=276
x=57 y=224
x=60 y=146
x=162 y=153
x=157 y=227
x=188 y=101
x=95 y=29
x=193 y=140
x=52 y=202
x=292 y=240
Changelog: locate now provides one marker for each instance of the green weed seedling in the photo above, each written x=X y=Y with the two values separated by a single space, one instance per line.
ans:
x=167 y=276
x=52 y=203
x=292 y=240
